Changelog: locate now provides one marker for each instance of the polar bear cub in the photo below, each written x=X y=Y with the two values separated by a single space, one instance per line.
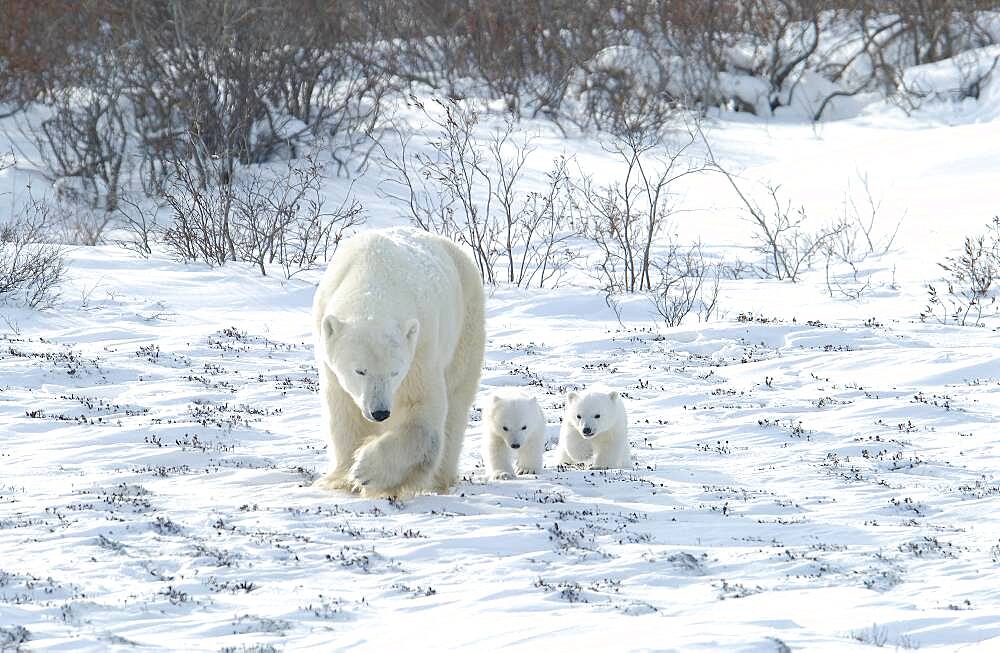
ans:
x=513 y=426
x=595 y=430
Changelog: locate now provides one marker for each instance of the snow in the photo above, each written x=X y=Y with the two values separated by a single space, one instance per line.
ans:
x=811 y=472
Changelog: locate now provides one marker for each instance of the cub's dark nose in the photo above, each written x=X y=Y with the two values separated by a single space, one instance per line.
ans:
x=515 y=445
x=586 y=430
x=380 y=415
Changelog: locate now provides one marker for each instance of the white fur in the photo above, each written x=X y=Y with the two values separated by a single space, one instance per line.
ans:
x=511 y=418
x=601 y=412
x=400 y=328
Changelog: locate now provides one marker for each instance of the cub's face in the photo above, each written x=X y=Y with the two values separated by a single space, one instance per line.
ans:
x=370 y=361
x=591 y=413
x=512 y=419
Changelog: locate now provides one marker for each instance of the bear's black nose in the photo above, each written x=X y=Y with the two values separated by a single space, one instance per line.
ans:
x=514 y=445
x=380 y=415
x=587 y=430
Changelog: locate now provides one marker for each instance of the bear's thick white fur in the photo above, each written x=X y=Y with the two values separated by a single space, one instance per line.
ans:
x=513 y=426
x=400 y=338
x=595 y=430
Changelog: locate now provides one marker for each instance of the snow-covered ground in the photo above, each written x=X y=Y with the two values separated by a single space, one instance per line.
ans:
x=811 y=472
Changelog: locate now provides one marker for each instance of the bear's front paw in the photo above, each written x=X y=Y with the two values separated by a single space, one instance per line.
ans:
x=368 y=475
x=501 y=476
x=332 y=481
x=526 y=470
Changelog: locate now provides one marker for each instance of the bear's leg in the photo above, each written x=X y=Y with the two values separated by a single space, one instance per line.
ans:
x=404 y=458
x=462 y=378
x=456 y=422
x=345 y=429
x=562 y=453
x=529 y=456
x=604 y=460
x=496 y=455
x=624 y=453
x=572 y=447
x=611 y=453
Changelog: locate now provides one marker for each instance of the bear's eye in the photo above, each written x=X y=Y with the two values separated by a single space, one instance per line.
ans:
x=505 y=428
x=395 y=373
x=597 y=416
x=524 y=428
x=360 y=372
x=578 y=417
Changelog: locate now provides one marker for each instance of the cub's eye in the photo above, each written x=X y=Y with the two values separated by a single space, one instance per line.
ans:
x=597 y=416
x=395 y=374
x=360 y=372
x=505 y=428
x=578 y=417
x=524 y=428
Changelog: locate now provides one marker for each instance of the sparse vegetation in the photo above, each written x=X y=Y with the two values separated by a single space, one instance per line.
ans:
x=264 y=219
x=30 y=269
x=472 y=192
x=969 y=290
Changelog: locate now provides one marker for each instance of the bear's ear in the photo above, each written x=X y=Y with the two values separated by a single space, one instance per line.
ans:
x=332 y=327
x=411 y=330
x=614 y=394
x=573 y=396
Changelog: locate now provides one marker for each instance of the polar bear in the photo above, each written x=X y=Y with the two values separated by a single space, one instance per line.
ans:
x=400 y=325
x=595 y=429
x=513 y=424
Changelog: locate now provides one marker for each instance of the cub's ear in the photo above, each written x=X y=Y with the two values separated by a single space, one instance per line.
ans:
x=573 y=396
x=496 y=399
x=614 y=394
x=332 y=327
x=411 y=331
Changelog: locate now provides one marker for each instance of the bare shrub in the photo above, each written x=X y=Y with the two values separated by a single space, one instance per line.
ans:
x=875 y=636
x=60 y=220
x=283 y=219
x=252 y=80
x=473 y=194
x=459 y=165
x=861 y=236
x=201 y=226
x=74 y=224
x=783 y=36
x=787 y=248
x=535 y=227
x=255 y=78
x=523 y=53
x=685 y=282
x=261 y=218
x=83 y=141
x=692 y=44
x=83 y=148
x=624 y=89
x=30 y=269
x=882 y=39
x=429 y=205
x=970 y=282
x=626 y=216
x=140 y=225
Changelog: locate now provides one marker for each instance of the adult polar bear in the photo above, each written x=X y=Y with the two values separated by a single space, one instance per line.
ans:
x=401 y=331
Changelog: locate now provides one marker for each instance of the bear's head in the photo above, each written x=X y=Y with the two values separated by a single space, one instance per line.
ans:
x=592 y=413
x=511 y=418
x=370 y=360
